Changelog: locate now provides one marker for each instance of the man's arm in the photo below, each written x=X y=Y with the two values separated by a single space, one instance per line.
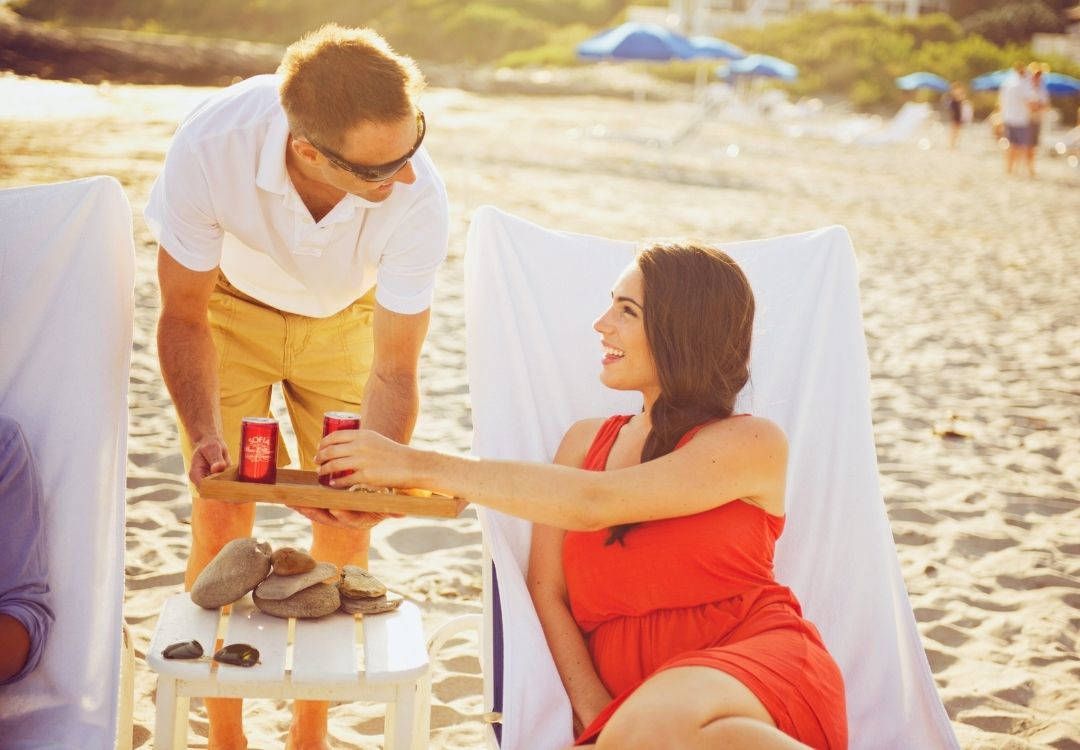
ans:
x=189 y=360
x=14 y=647
x=392 y=395
x=26 y=617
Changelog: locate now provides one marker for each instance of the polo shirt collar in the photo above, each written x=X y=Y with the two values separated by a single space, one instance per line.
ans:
x=272 y=175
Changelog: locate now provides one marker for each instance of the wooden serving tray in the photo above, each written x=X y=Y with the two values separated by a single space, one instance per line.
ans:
x=302 y=488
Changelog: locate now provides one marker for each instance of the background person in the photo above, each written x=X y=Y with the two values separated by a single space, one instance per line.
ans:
x=1015 y=99
x=25 y=614
x=1040 y=105
x=651 y=559
x=955 y=100
x=301 y=225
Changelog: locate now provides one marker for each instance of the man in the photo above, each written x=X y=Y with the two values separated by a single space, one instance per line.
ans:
x=1015 y=99
x=25 y=614
x=1039 y=105
x=300 y=226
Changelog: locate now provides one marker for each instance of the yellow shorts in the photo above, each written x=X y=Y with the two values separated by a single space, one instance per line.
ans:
x=321 y=363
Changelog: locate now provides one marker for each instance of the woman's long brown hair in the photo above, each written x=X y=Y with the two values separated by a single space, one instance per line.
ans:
x=699 y=319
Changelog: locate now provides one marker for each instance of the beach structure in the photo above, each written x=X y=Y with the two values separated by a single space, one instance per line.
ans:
x=68 y=263
x=1065 y=45
x=711 y=16
x=527 y=283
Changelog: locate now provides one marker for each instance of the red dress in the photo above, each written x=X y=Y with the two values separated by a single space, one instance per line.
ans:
x=699 y=591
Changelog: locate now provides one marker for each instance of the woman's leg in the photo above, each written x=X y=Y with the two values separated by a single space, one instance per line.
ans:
x=692 y=708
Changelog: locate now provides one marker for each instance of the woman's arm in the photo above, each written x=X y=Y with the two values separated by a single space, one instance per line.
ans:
x=547 y=585
x=742 y=458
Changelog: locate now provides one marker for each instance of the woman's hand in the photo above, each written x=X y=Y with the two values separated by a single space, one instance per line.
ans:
x=372 y=458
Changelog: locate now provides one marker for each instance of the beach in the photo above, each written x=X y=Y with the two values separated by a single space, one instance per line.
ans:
x=971 y=306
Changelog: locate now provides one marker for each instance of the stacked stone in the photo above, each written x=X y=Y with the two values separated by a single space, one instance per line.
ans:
x=364 y=594
x=288 y=583
x=296 y=588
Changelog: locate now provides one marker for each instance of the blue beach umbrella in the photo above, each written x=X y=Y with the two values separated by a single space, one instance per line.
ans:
x=637 y=41
x=716 y=49
x=922 y=80
x=989 y=81
x=761 y=66
x=1059 y=84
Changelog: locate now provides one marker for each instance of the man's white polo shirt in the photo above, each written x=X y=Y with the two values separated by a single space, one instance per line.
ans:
x=224 y=199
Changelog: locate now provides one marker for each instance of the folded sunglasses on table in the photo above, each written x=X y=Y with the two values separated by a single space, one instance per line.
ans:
x=236 y=654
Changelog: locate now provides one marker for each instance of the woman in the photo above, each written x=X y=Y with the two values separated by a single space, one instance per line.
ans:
x=651 y=561
x=956 y=103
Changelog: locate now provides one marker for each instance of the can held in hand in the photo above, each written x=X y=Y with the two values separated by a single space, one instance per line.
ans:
x=258 y=450
x=333 y=421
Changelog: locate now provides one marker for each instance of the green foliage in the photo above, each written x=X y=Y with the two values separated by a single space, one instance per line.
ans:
x=858 y=54
x=441 y=30
x=1014 y=22
x=562 y=13
x=501 y=28
x=557 y=52
x=853 y=54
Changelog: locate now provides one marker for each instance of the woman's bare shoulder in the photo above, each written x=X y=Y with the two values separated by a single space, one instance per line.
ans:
x=748 y=432
x=575 y=443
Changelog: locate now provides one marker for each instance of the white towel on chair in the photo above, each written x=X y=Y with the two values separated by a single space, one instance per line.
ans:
x=66 y=280
x=533 y=358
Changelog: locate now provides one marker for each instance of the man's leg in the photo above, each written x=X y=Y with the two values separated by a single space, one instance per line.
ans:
x=326 y=371
x=248 y=338
x=214 y=523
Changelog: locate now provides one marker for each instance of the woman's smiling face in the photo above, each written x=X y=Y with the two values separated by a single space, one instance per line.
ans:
x=628 y=360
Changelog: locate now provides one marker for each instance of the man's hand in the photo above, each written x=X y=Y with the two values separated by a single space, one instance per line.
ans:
x=344 y=519
x=209 y=456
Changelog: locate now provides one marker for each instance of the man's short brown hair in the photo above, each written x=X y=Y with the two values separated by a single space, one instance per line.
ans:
x=337 y=78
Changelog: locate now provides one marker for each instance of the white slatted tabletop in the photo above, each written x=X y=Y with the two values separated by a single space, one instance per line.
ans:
x=340 y=657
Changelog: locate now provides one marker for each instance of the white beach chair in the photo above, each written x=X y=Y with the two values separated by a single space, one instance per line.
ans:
x=902 y=127
x=66 y=283
x=531 y=296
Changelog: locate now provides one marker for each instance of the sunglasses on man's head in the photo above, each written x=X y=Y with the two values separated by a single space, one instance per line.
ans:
x=379 y=172
x=237 y=654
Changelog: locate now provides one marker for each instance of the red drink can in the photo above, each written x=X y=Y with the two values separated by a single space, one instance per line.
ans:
x=258 y=450
x=333 y=421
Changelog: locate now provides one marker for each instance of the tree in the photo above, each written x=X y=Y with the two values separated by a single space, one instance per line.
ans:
x=961 y=9
x=1014 y=21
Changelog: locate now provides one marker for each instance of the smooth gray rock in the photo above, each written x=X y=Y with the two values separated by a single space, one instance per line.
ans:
x=237 y=569
x=374 y=606
x=289 y=561
x=282 y=587
x=357 y=583
x=314 y=601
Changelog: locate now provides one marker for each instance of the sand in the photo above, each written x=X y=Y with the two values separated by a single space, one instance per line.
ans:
x=972 y=310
